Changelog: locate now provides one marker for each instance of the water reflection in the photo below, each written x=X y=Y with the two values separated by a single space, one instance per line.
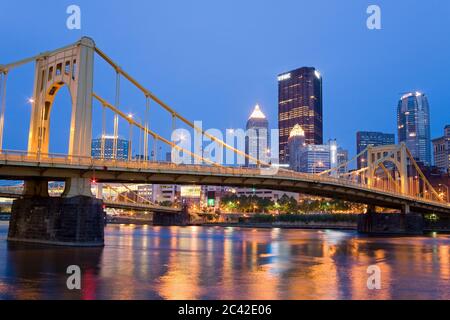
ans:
x=141 y=262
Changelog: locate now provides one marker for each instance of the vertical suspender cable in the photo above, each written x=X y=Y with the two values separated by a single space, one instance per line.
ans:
x=102 y=147
x=3 y=78
x=140 y=144
x=147 y=107
x=130 y=139
x=116 y=116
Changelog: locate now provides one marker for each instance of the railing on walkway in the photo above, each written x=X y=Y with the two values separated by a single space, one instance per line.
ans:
x=158 y=166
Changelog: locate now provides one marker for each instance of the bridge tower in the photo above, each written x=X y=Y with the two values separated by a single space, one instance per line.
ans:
x=76 y=218
x=406 y=222
x=72 y=66
x=397 y=155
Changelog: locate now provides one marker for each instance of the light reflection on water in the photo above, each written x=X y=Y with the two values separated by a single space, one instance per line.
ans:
x=143 y=262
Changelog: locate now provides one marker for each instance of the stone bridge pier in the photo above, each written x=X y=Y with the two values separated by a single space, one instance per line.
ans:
x=403 y=223
x=75 y=219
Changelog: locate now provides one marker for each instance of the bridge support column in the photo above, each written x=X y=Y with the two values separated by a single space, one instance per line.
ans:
x=404 y=223
x=171 y=219
x=76 y=219
x=38 y=188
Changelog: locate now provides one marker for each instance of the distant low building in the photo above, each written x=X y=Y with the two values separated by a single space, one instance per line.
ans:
x=264 y=193
x=318 y=158
x=107 y=151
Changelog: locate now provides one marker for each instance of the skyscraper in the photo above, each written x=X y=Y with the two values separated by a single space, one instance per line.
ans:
x=122 y=148
x=299 y=102
x=413 y=118
x=441 y=148
x=342 y=157
x=257 y=137
x=316 y=158
x=311 y=158
x=366 y=138
x=296 y=144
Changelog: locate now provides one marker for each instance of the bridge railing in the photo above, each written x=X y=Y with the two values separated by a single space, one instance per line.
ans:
x=158 y=166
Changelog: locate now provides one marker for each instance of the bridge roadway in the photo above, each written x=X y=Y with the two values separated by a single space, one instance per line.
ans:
x=15 y=165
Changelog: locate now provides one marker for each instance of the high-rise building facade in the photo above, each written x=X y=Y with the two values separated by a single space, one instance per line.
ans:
x=441 y=147
x=316 y=158
x=413 y=118
x=299 y=102
x=257 y=138
x=312 y=158
x=108 y=151
x=296 y=144
x=342 y=157
x=366 y=138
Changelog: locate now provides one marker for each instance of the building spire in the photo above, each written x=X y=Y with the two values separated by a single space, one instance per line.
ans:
x=257 y=113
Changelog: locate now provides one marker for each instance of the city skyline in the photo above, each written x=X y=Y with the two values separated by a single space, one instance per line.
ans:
x=351 y=59
x=205 y=151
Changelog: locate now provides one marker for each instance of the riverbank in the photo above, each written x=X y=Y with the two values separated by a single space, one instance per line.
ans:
x=262 y=225
x=312 y=226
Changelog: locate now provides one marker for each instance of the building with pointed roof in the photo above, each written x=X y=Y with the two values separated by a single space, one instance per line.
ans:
x=257 y=137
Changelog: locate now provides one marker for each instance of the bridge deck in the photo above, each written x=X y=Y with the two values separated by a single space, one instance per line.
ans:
x=22 y=166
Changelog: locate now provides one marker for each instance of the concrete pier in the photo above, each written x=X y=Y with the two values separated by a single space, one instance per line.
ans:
x=75 y=219
x=391 y=223
x=171 y=219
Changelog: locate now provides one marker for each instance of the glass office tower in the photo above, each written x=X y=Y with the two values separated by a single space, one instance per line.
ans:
x=413 y=118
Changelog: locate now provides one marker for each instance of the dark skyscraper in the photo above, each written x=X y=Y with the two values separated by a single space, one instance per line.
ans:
x=365 y=138
x=299 y=102
x=413 y=117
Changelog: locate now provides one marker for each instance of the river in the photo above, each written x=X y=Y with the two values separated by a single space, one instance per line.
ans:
x=145 y=262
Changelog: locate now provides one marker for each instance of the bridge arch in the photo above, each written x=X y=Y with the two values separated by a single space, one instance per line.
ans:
x=71 y=66
x=59 y=117
x=378 y=156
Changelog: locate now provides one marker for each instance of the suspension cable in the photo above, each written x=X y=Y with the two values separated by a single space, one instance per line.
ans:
x=152 y=133
x=172 y=111
x=422 y=175
x=343 y=165
x=3 y=80
x=116 y=116
x=146 y=115
x=102 y=147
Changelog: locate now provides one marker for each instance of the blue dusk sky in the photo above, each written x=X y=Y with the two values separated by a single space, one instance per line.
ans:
x=213 y=60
